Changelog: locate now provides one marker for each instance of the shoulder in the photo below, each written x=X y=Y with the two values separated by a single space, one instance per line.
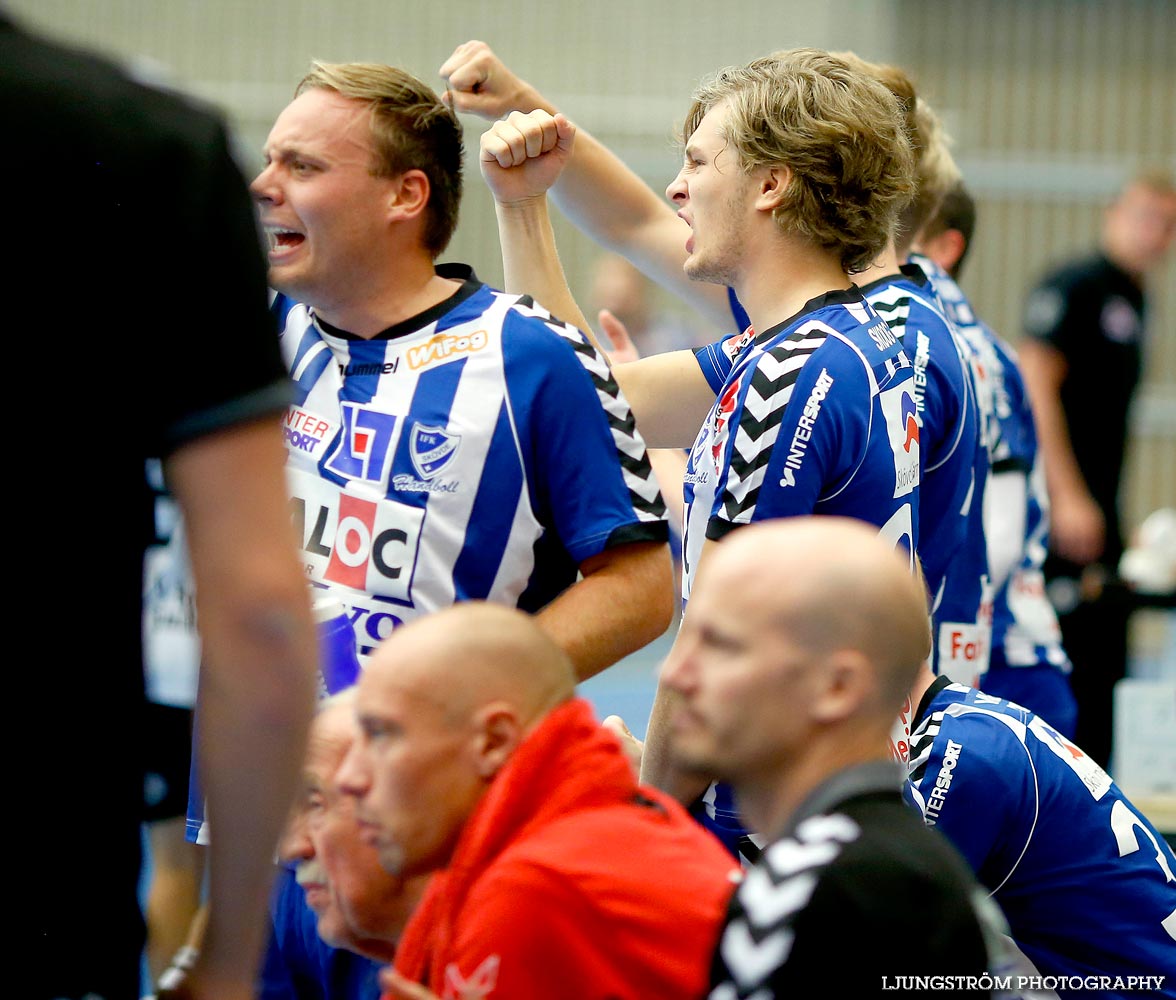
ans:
x=965 y=748
x=895 y=871
x=531 y=332
x=616 y=852
x=1072 y=273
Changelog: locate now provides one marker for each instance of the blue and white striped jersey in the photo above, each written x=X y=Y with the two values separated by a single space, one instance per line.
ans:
x=480 y=450
x=1025 y=630
x=1087 y=884
x=814 y=416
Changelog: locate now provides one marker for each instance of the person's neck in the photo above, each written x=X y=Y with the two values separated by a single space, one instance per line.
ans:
x=769 y=802
x=778 y=284
x=885 y=265
x=1124 y=263
x=923 y=680
x=406 y=290
x=377 y=949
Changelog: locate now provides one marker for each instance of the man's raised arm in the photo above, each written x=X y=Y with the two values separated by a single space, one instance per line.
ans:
x=521 y=157
x=601 y=195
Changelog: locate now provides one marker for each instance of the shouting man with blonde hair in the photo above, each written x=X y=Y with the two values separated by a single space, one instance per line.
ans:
x=428 y=447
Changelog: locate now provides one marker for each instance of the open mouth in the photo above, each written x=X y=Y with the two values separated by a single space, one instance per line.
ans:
x=282 y=240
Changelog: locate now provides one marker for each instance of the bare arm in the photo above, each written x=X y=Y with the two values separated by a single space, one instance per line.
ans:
x=624 y=601
x=1077 y=523
x=597 y=191
x=257 y=680
x=520 y=159
x=657 y=768
x=657 y=765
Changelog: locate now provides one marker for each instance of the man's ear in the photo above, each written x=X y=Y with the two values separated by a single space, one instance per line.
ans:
x=846 y=681
x=946 y=249
x=409 y=196
x=498 y=731
x=773 y=187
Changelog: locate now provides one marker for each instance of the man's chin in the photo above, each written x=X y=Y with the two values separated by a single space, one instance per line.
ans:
x=693 y=762
x=332 y=932
x=697 y=270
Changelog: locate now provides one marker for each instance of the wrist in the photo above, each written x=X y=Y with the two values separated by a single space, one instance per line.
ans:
x=526 y=209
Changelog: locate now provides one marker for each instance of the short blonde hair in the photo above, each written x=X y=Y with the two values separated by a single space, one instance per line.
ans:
x=840 y=133
x=412 y=129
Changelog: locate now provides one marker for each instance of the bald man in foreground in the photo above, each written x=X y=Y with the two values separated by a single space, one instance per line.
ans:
x=556 y=875
x=803 y=638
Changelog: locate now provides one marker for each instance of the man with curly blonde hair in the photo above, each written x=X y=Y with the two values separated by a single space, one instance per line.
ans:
x=795 y=169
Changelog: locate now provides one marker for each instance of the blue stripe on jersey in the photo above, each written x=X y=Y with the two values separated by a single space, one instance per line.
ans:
x=715 y=365
x=432 y=401
x=280 y=309
x=468 y=311
x=362 y=388
x=307 y=378
x=742 y=320
x=491 y=516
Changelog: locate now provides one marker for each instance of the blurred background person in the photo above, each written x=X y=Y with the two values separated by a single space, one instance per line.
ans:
x=145 y=179
x=633 y=299
x=1082 y=358
x=337 y=915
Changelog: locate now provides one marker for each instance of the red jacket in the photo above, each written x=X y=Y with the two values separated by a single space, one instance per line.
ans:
x=570 y=882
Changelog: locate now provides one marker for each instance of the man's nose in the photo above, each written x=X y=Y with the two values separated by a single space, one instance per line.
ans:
x=296 y=844
x=264 y=186
x=351 y=778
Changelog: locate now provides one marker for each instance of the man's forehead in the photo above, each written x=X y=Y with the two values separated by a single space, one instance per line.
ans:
x=396 y=692
x=709 y=131
x=324 y=753
x=322 y=119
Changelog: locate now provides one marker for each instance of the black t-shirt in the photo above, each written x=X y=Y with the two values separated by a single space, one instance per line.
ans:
x=1093 y=313
x=136 y=322
x=856 y=894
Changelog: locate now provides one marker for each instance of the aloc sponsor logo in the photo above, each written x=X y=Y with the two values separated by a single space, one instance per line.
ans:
x=443 y=346
x=365 y=545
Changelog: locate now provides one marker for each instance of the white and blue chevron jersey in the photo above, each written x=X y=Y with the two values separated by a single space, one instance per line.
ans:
x=954 y=468
x=1087 y=884
x=480 y=450
x=955 y=473
x=814 y=416
x=1025 y=628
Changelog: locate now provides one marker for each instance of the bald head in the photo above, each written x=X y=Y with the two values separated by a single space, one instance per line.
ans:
x=799 y=645
x=442 y=706
x=474 y=653
x=832 y=584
